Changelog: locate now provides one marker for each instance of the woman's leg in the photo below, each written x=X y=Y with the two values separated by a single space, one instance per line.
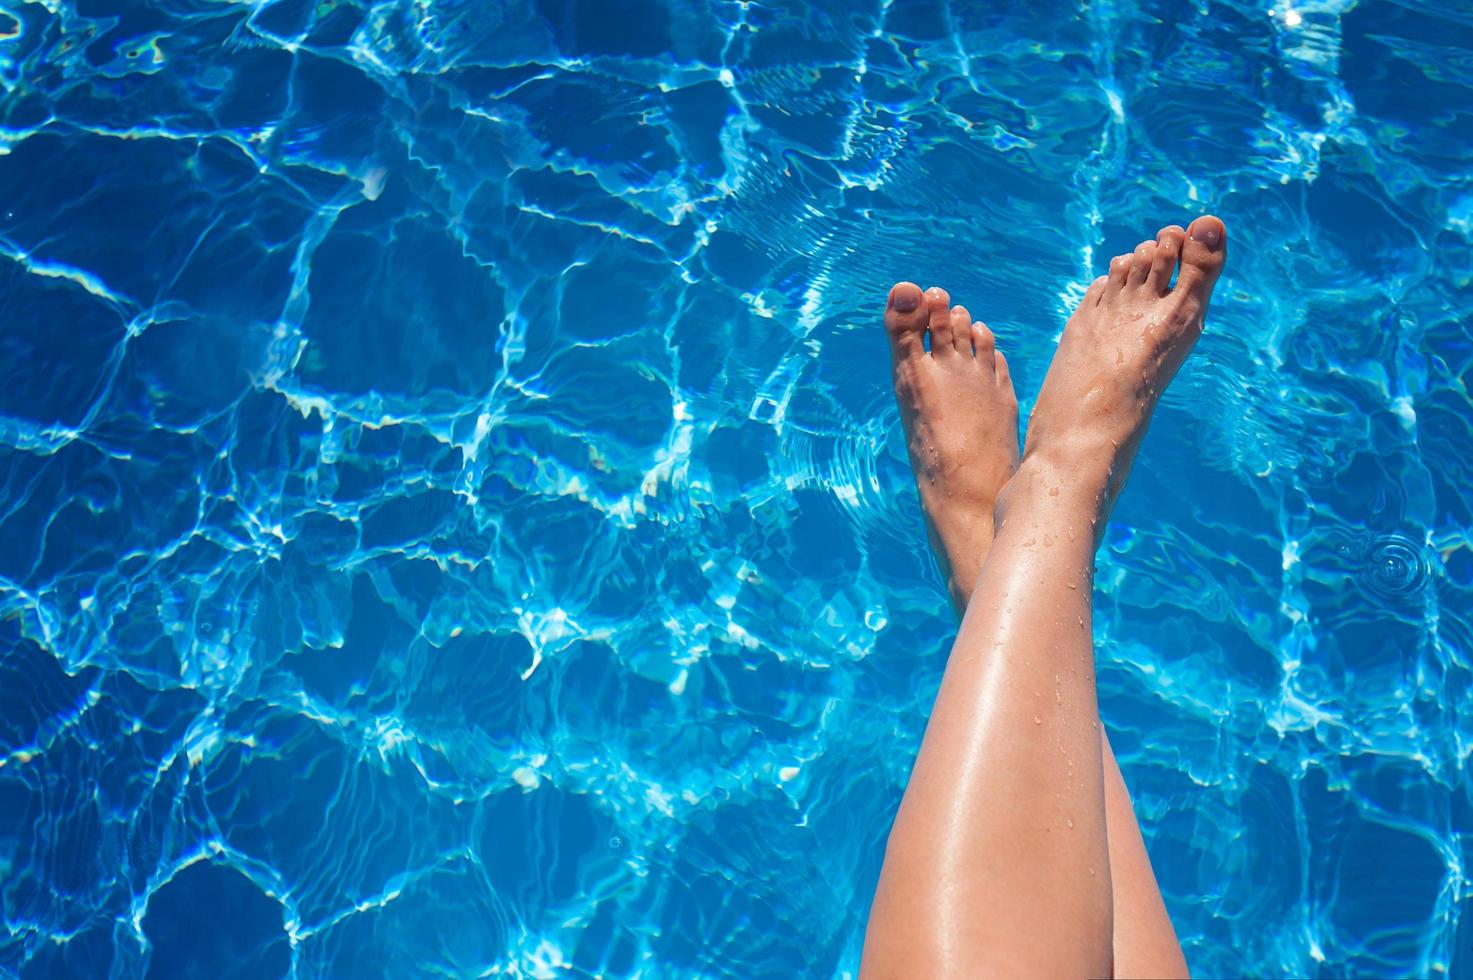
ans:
x=962 y=461
x=1144 y=943
x=997 y=864
x=999 y=859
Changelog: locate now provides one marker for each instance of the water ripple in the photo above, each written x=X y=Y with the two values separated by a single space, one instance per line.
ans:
x=1392 y=566
x=439 y=441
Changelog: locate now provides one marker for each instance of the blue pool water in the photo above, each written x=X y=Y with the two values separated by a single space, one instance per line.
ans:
x=452 y=516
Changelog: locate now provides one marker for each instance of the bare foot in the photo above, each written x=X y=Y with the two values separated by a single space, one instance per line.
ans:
x=1119 y=351
x=961 y=424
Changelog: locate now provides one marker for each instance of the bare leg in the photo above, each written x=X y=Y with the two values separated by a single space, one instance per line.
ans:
x=999 y=861
x=961 y=423
x=1144 y=943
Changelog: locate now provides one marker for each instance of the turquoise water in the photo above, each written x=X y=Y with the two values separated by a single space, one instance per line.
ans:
x=452 y=514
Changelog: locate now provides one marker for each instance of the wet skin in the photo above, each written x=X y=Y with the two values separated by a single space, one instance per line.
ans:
x=1000 y=859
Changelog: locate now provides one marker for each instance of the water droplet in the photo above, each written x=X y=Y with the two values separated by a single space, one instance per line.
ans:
x=1030 y=542
x=1069 y=821
x=1073 y=586
x=1048 y=540
x=1037 y=720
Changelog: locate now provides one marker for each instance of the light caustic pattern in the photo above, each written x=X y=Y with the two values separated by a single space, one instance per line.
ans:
x=452 y=517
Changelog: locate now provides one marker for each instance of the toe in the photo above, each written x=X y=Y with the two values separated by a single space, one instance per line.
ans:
x=905 y=320
x=983 y=343
x=938 y=315
x=1202 y=255
x=961 y=330
x=1140 y=263
x=1168 y=250
x=1095 y=291
x=1119 y=270
x=1005 y=383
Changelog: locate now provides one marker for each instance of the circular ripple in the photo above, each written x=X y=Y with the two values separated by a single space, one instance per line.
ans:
x=1392 y=566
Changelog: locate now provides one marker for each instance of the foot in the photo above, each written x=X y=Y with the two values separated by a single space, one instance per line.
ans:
x=1119 y=351
x=961 y=424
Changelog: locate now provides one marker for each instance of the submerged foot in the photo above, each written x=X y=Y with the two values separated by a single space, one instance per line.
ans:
x=961 y=424
x=1120 y=349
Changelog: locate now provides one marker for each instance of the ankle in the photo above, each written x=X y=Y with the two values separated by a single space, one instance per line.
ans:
x=961 y=554
x=1076 y=483
x=1080 y=468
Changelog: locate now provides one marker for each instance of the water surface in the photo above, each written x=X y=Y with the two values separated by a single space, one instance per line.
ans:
x=452 y=513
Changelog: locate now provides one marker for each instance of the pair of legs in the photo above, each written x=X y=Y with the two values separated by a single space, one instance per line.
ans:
x=1016 y=850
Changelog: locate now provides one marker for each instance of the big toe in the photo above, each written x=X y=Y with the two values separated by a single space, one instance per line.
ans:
x=905 y=319
x=1202 y=256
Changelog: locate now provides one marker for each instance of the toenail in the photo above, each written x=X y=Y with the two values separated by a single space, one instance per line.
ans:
x=1207 y=236
x=907 y=298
